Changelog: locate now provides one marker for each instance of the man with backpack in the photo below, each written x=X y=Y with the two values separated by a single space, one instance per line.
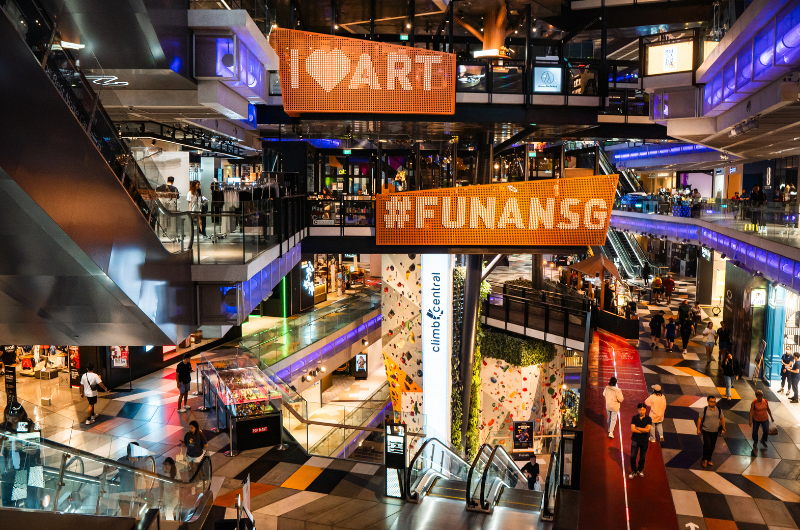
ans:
x=710 y=424
x=90 y=383
x=657 y=286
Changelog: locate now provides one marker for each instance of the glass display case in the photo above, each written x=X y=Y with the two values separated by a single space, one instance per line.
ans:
x=243 y=399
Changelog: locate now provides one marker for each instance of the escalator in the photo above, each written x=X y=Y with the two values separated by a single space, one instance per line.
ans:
x=82 y=257
x=628 y=249
x=627 y=182
x=42 y=476
x=621 y=255
x=611 y=253
x=444 y=490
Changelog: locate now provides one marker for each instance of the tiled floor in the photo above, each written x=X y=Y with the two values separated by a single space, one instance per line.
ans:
x=739 y=491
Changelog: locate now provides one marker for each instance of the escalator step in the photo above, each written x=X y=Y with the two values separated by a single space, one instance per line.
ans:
x=449 y=489
x=526 y=500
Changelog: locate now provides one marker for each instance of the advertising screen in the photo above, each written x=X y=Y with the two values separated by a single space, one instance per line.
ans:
x=670 y=58
x=361 y=366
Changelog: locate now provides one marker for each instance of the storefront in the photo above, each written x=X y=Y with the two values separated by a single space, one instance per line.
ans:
x=782 y=330
x=744 y=312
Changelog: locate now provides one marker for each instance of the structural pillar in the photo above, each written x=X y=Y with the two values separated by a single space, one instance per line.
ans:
x=485 y=157
x=469 y=331
x=537 y=271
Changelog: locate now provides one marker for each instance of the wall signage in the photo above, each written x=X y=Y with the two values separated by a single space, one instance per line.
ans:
x=554 y=212
x=362 y=367
x=706 y=253
x=523 y=435
x=547 y=79
x=437 y=310
x=758 y=298
x=326 y=73
x=306 y=284
x=119 y=356
x=670 y=58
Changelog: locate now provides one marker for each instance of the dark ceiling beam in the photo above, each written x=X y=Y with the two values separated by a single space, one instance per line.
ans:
x=524 y=133
x=633 y=16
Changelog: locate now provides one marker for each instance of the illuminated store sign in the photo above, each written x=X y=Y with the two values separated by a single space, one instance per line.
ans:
x=546 y=79
x=758 y=298
x=563 y=212
x=307 y=268
x=437 y=310
x=670 y=58
x=325 y=73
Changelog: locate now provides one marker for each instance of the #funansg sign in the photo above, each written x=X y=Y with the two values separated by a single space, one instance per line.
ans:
x=553 y=212
x=326 y=73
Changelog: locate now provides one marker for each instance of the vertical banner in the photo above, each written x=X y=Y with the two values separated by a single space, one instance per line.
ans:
x=74 y=366
x=9 y=365
x=437 y=313
x=119 y=356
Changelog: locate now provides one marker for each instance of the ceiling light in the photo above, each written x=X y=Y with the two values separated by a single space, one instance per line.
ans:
x=408 y=25
x=336 y=26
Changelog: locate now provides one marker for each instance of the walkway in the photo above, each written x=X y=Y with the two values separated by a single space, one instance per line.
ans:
x=609 y=498
x=740 y=491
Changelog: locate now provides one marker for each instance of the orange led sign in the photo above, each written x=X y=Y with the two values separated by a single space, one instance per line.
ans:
x=553 y=212
x=325 y=73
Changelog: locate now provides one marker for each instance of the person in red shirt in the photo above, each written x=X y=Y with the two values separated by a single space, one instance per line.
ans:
x=669 y=286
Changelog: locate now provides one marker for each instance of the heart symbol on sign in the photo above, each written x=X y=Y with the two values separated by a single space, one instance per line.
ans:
x=328 y=69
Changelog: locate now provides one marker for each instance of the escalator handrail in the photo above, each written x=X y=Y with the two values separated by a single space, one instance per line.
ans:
x=623 y=257
x=416 y=456
x=107 y=461
x=485 y=505
x=478 y=455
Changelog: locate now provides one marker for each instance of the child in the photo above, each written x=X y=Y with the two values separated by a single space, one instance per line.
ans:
x=672 y=329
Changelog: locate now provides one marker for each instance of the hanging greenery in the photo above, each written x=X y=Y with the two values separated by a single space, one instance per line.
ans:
x=569 y=409
x=516 y=351
x=457 y=416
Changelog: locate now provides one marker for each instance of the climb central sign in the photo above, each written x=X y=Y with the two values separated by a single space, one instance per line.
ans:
x=555 y=212
x=326 y=73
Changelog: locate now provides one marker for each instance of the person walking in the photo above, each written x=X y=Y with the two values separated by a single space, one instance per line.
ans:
x=196 y=445
x=656 y=326
x=794 y=376
x=669 y=286
x=696 y=316
x=686 y=332
x=183 y=375
x=786 y=363
x=731 y=371
x=760 y=414
x=657 y=286
x=710 y=424
x=640 y=433
x=646 y=273
x=723 y=339
x=671 y=330
x=613 y=397
x=683 y=311
x=90 y=383
x=658 y=406
x=709 y=341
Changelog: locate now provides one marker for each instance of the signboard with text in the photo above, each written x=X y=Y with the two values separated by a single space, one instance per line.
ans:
x=326 y=73
x=523 y=435
x=553 y=212
x=547 y=79
x=670 y=58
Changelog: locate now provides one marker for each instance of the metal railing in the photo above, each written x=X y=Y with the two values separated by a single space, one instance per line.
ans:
x=82 y=96
x=551 y=313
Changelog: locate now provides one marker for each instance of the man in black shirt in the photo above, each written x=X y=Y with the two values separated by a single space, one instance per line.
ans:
x=169 y=187
x=640 y=437
x=183 y=375
x=656 y=325
x=531 y=470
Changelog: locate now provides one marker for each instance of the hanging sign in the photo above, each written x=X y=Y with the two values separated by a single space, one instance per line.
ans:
x=553 y=212
x=326 y=73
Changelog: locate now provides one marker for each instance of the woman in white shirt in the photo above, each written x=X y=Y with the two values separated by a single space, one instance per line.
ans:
x=709 y=340
x=195 y=200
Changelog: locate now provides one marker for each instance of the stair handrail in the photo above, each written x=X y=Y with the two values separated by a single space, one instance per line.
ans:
x=483 y=502
x=413 y=494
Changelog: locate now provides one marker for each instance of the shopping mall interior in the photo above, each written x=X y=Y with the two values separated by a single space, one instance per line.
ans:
x=370 y=265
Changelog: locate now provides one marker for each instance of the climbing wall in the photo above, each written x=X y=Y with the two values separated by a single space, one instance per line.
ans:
x=552 y=392
x=401 y=329
x=509 y=394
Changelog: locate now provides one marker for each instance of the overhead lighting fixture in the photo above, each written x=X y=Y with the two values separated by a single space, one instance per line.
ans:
x=408 y=25
x=744 y=127
x=72 y=45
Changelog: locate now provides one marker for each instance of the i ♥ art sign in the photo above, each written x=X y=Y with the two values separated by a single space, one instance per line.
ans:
x=325 y=73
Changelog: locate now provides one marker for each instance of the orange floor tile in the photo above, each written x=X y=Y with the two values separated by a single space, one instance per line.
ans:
x=302 y=478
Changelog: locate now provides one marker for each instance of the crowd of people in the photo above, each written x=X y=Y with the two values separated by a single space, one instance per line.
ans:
x=646 y=425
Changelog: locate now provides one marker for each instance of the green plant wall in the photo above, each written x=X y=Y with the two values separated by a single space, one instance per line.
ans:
x=457 y=416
